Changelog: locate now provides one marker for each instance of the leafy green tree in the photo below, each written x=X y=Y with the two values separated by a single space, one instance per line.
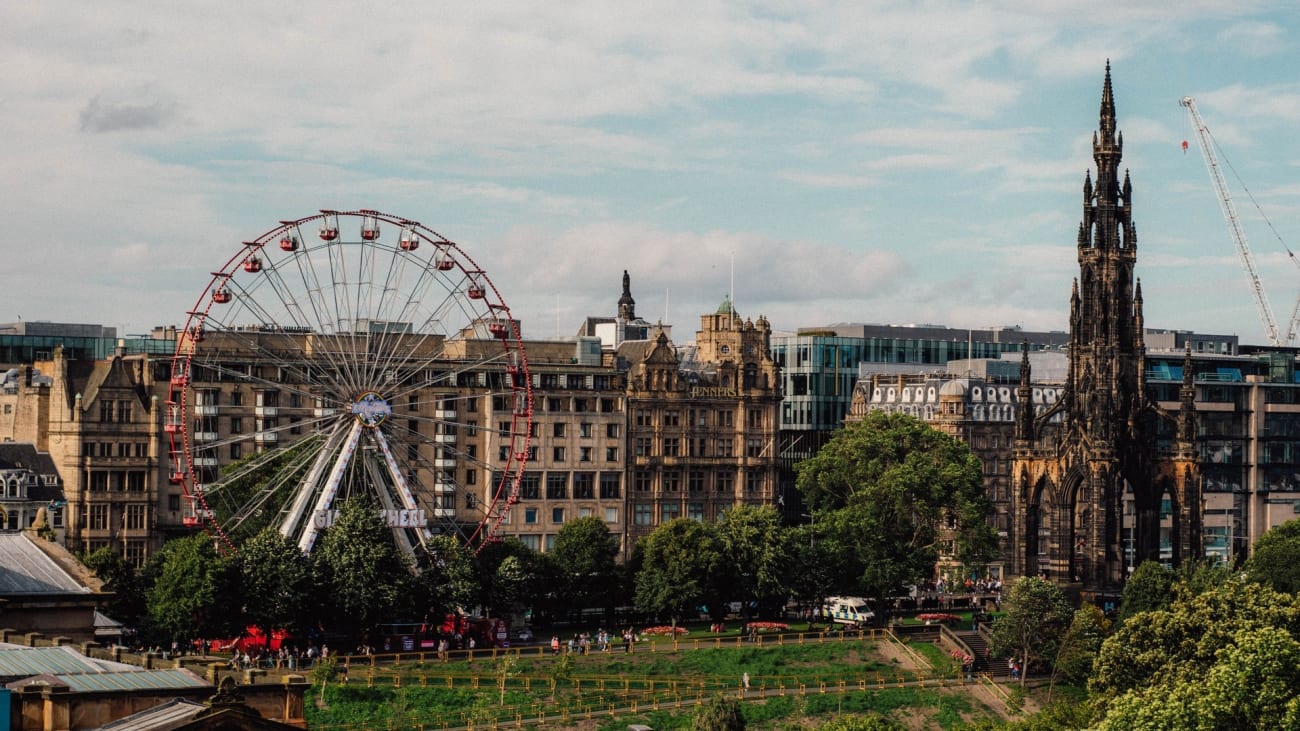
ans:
x=1275 y=558
x=274 y=582
x=1080 y=645
x=681 y=563
x=889 y=488
x=193 y=592
x=812 y=569
x=507 y=572
x=756 y=553
x=128 y=604
x=1254 y=683
x=447 y=578
x=584 y=557
x=718 y=713
x=361 y=576
x=1149 y=588
x=1035 y=617
x=1181 y=644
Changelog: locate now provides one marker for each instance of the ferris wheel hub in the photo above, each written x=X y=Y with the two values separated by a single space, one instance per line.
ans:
x=371 y=409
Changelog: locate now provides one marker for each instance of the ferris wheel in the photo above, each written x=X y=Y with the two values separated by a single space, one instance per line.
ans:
x=344 y=354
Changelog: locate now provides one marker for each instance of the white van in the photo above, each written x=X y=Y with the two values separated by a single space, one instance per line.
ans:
x=848 y=610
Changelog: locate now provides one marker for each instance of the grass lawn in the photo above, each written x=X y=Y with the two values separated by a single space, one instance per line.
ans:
x=610 y=690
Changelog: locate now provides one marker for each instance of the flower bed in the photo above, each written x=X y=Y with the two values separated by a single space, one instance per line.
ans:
x=664 y=631
x=767 y=627
x=961 y=657
x=938 y=617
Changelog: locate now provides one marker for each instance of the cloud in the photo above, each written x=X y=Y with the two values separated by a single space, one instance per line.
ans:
x=99 y=116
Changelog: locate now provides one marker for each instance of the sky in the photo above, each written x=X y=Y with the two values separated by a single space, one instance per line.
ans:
x=882 y=162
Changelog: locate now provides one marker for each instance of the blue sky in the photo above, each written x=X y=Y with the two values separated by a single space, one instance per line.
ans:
x=859 y=161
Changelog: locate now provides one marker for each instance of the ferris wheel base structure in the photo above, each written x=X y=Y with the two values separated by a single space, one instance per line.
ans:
x=326 y=332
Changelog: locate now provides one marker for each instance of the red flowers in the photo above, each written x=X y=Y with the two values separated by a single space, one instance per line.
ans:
x=767 y=627
x=664 y=631
x=938 y=617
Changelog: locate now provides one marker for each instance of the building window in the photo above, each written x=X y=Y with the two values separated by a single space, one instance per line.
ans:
x=611 y=431
x=641 y=481
x=695 y=511
x=557 y=430
x=174 y=503
x=99 y=481
x=584 y=485
x=532 y=542
x=124 y=412
x=611 y=454
x=609 y=485
x=641 y=417
x=726 y=419
x=530 y=516
x=555 y=404
x=643 y=514
x=584 y=430
x=671 y=446
x=584 y=454
x=236 y=398
x=557 y=485
x=695 y=482
x=557 y=515
x=611 y=515
x=672 y=481
x=529 y=485
x=135 y=481
x=753 y=482
x=471 y=501
x=579 y=404
x=236 y=451
x=134 y=518
x=672 y=417
x=557 y=454
x=642 y=446
x=471 y=477
x=97 y=517
x=725 y=447
x=724 y=482
x=236 y=425
x=105 y=411
x=755 y=418
x=754 y=447
x=671 y=511
x=141 y=450
x=134 y=552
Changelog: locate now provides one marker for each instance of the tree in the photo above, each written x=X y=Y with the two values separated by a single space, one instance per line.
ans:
x=1275 y=558
x=1149 y=588
x=584 y=556
x=1080 y=645
x=447 y=578
x=812 y=568
x=681 y=562
x=756 y=551
x=1035 y=617
x=1181 y=644
x=128 y=603
x=889 y=488
x=868 y=722
x=507 y=572
x=193 y=592
x=360 y=574
x=718 y=713
x=274 y=581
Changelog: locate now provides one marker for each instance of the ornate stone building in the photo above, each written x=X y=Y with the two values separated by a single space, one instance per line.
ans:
x=702 y=428
x=1070 y=483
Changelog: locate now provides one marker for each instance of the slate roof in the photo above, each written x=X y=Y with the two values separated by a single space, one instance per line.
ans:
x=24 y=455
x=66 y=666
x=173 y=714
x=20 y=661
x=26 y=569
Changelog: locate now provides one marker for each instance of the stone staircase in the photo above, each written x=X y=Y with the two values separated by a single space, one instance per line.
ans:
x=980 y=648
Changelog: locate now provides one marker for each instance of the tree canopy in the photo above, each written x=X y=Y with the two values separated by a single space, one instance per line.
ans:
x=361 y=577
x=681 y=564
x=193 y=590
x=1035 y=617
x=889 y=488
x=1275 y=560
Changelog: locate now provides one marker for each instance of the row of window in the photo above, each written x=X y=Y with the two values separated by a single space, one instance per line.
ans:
x=116 y=481
x=721 y=418
x=115 y=449
x=134 y=516
x=698 y=447
x=532 y=516
x=118 y=412
x=696 y=481
x=643 y=514
x=585 y=485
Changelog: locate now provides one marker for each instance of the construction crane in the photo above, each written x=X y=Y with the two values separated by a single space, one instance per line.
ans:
x=1206 y=143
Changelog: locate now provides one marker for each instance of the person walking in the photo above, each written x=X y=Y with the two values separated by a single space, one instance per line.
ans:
x=744 y=679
